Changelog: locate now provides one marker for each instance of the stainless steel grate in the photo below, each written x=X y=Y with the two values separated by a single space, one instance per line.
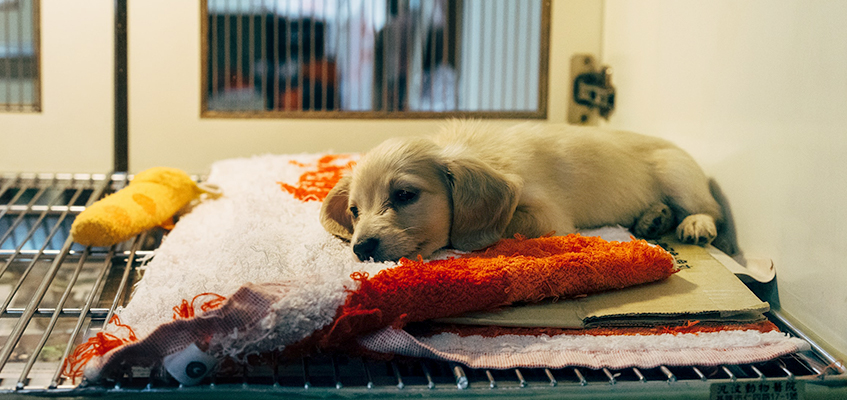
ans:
x=57 y=293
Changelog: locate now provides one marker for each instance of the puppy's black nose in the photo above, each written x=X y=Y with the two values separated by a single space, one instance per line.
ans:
x=365 y=249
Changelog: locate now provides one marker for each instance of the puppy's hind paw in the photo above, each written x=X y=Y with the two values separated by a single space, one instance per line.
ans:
x=655 y=222
x=697 y=229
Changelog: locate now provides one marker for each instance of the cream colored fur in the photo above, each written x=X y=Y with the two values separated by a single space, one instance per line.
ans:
x=474 y=183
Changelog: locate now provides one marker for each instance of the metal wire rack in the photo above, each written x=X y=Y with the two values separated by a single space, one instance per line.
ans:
x=57 y=293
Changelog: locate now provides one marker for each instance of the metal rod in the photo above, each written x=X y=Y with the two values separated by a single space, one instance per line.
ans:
x=368 y=375
x=521 y=380
x=227 y=50
x=491 y=382
x=400 y=384
x=609 y=375
x=459 y=374
x=671 y=377
x=239 y=51
x=550 y=376
x=336 y=375
x=96 y=313
x=49 y=329
x=306 y=380
x=757 y=372
x=729 y=373
x=21 y=101
x=430 y=384
x=829 y=358
x=7 y=60
x=213 y=49
x=699 y=374
x=121 y=117
x=582 y=381
x=251 y=46
x=638 y=374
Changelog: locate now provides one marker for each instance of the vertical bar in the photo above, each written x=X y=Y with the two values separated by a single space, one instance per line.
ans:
x=336 y=375
x=499 y=55
x=275 y=61
x=433 y=67
x=430 y=384
x=368 y=374
x=306 y=379
x=36 y=59
x=7 y=62
x=336 y=85
x=263 y=51
x=383 y=41
x=400 y=384
x=521 y=380
x=300 y=62
x=227 y=45
x=483 y=103
x=239 y=48
x=638 y=374
x=121 y=158
x=21 y=85
x=325 y=59
x=510 y=83
x=312 y=58
x=213 y=47
x=699 y=374
x=609 y=375
x=550 y=376
x=459 y=374
x=523 y=63
x=672 y=378
x=449 y=92
x=491 y=382
x=251 y=46
x=580 y=377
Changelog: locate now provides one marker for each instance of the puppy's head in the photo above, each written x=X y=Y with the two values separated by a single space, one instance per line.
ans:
x=405 y=198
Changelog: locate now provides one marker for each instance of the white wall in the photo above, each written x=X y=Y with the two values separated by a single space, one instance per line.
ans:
x=73 y=132
x=757 y=92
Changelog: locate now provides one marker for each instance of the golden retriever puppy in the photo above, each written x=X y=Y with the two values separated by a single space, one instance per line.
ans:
x=475 y=183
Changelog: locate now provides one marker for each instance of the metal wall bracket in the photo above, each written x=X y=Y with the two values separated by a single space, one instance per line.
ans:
x=593 y=94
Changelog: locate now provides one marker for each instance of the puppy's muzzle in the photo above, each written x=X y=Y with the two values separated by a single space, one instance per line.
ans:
x=365 y=249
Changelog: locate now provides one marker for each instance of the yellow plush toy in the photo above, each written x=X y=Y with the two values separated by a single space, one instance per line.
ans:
x=150 y=200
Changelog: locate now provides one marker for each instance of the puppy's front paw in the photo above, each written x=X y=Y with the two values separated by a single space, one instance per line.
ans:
x=697 y=229
x=656 y=221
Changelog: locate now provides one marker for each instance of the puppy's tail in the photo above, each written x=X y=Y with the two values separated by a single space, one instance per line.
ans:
x=727 y=240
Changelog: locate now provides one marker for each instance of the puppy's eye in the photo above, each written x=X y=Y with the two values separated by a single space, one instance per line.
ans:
x=354 y=211
x=404 y=196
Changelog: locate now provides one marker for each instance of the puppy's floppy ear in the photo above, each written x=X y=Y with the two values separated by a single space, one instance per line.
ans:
x=484 y=201
x=334 y=215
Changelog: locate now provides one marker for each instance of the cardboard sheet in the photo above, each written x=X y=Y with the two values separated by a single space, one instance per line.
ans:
x=703 y=290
